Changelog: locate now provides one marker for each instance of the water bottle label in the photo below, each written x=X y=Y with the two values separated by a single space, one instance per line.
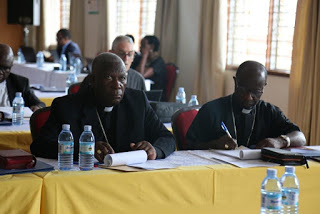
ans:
x=18 y=109
x=87 y=148
x=271 y=201
x=66 y=148
x=290 y=197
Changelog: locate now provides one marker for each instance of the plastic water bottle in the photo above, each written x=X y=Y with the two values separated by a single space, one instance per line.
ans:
x=193 y=101
x=86 y=149
x=65 y=149
x=290 y=191
x=77 y=65
x=71 y=79
x=18 y=109
x=271 y=196
x=181 y=96
x=40 y=59
x=20 y=56
x=63 y=62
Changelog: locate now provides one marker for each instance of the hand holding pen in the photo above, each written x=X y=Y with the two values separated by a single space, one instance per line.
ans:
x=229 y=143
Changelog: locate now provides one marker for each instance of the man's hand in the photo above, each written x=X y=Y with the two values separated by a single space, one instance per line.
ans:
x=35 y=108
x=270 y=142
x=225 y=142
x=146 y=146
x=102 y=149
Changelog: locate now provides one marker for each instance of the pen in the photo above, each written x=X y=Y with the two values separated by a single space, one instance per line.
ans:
x=223 y=126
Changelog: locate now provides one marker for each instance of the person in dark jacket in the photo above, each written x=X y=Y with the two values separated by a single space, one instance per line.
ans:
x=122 y=119
x=11 y=83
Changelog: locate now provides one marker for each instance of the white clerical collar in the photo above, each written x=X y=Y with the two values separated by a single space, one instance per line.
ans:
x=246 y=111
x=108 y=109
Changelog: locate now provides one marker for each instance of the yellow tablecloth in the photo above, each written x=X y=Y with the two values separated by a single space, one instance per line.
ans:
x=202 y=189
x=47 y=100
x=15 y=140
x=20 y=193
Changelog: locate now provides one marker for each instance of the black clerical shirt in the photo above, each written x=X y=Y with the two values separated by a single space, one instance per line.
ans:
x=269 y=122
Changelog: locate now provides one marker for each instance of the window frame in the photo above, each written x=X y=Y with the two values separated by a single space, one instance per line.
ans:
x=275 y=72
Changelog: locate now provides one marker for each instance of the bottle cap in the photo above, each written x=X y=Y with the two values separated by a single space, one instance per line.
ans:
x=181 y=89
x=87 y=128
x=289 y=169
x=18 y=94
x=66 y=126
x=194 y=96
x=271 y=172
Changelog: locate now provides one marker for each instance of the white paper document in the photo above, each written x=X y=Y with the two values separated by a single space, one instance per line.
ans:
x=125 y=158
x=242 y=163
x=8 y=112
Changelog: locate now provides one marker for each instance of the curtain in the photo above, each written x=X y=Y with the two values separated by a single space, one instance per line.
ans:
x=304 y=92
x=209 y=78
x=166 y=28
x=77 y=22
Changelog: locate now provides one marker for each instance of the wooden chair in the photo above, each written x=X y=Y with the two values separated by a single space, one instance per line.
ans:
x=181 y=120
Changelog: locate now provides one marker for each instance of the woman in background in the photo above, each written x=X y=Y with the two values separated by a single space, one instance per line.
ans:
x=150 y=64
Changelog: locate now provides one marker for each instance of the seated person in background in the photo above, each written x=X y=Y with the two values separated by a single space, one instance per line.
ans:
x=11 y=83
x=66 y=45
x=123 y=47
x=251 y=122
x=150 y=64
x=121 y=119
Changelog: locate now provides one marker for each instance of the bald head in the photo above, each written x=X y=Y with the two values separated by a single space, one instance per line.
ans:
x=107 y=62
x=251 y=70
x=109 y=79
x=250 y=80
x=6 y=61
x=6 y=53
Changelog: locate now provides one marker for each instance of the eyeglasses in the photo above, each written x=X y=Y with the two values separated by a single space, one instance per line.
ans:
x=124 y=54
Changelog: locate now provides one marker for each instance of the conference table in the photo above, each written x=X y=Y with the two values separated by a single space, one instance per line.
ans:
x=202 y=189
x=48 y=97
x=46 y=76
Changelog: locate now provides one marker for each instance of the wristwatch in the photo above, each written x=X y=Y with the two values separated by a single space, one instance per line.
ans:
x=287 y=139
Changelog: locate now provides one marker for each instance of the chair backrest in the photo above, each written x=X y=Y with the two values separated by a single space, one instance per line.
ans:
x=181 y=121
x=165 y=110
x=28 y=53
x=154 y=95
x=172 y=71
x=38 y=119
x=74 y=88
